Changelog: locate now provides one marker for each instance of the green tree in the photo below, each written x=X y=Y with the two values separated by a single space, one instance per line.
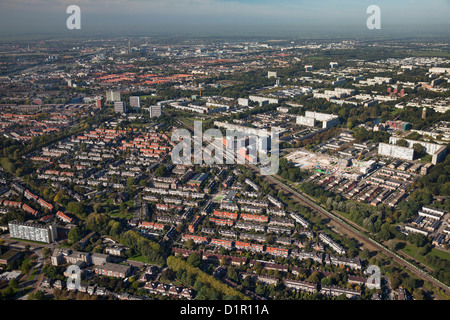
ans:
x=194 y=260
x=77 y=209
x=326 y=281
x=143 y=183
x=26 y=266
x=260 y=289
x=385 y=233
x=97 y=223
x=131 y=182
x=270 y=239
x=160 y=171
x=190 y=244
x=365 y=254
x=39 y=295
x=402 y=143
x=419 y=295
x=74 y=235
x=13 y=283
x=417 y=239
x=314 y=277
x=409 y=284
x=114 y=228
x=392 y=244
x=419 y=150
x=232 y=274
x=46 y=252
x=395 y=279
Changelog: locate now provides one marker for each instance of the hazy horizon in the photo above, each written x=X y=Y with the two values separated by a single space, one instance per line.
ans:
x=225 y=17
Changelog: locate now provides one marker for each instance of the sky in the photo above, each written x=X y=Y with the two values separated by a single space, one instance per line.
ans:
x=222 y=16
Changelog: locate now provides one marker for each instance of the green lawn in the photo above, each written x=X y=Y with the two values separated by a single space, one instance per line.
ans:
x=32 y=274
x=413 y=251
x=139 y=258
x=118 y=214
x=426 y=159
x=416 y=253
x=430 y=53
x=344 y=214
x=30 y=241
x=218 y=198
x=139 y=125
x=441 y=254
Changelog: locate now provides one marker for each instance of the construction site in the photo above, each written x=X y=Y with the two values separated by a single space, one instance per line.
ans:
x=338 y=156
x=331 y=165
x=341 y=165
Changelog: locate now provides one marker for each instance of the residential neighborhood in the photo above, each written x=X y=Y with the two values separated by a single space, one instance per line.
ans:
x=243 y=167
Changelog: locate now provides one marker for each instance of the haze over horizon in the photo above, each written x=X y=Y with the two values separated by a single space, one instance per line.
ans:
x=224 y=17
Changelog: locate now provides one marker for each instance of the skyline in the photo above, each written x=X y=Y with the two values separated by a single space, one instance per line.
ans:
x=241 y=151
x=219 y=17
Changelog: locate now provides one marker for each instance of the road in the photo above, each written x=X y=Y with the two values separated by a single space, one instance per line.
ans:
x=29 y=280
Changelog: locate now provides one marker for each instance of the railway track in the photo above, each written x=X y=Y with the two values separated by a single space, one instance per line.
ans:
x=350 y=229
x=345 y=226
